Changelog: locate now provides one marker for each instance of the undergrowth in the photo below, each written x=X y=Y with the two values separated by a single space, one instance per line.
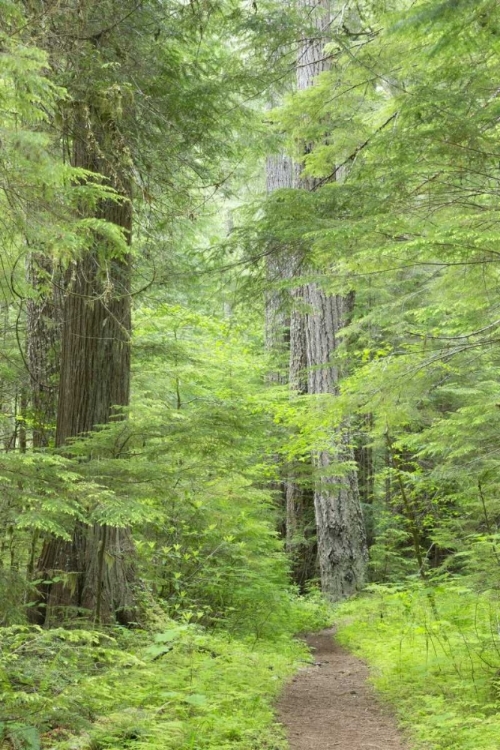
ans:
x=436 y=658
x=180 y=688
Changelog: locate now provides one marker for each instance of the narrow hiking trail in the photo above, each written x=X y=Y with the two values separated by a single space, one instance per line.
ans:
x=330 y=706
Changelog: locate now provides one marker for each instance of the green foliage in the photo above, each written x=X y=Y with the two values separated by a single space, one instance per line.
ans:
x=185 y=470
x=166 y=104
x=401 y=135
x=165 y=96
x=181 y=688
x=436 y=655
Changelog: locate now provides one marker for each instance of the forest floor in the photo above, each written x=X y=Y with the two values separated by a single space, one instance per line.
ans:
x=331 y=706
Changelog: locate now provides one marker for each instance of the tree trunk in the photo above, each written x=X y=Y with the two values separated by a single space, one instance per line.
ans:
x=43 y=344
x=301 y=532
x=342 y=548
x=279 y=175
x=301 y=541
x=95 y=351
x=341 y=535
x=363 y=454
x=98 y=576
x=97 y=567
x=284 y=336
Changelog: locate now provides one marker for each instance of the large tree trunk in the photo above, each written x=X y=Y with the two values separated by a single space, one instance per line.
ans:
x=342 y=547
x=363 y=454
x=285 y=338
x=341 y=536
x=97 y=567
x=279 y=175
x=276 y=333
x=43 y=346
x=301 y=537
x=300 y=525
x=95 y=352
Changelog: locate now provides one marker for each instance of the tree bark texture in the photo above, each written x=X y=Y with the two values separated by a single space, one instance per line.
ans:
x=97 y=567
x=341 y=531
x=342 y=547
x=364 y=457
x=279 y=175
x=341 y=535
x=284 y=337
x=95 y=352
x=43 y=346
x=98 y=576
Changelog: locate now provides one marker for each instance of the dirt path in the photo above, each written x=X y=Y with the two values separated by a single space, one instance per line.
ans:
x=330 y=706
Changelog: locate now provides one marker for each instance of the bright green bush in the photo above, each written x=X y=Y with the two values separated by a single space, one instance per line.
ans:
x=436 y=657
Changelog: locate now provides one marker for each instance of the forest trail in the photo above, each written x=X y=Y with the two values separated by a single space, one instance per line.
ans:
x=330 y=705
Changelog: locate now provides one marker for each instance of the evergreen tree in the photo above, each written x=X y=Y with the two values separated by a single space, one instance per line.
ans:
x=152 y=111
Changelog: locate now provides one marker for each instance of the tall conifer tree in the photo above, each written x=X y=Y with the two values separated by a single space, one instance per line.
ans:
x=340 y=527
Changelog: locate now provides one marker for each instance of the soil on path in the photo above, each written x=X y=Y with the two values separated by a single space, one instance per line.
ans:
x=330 y=706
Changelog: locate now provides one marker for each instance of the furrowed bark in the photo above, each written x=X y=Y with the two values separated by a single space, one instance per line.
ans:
x=285 y=336
x=96 y=569
x=341 y=536
x=43 y=346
